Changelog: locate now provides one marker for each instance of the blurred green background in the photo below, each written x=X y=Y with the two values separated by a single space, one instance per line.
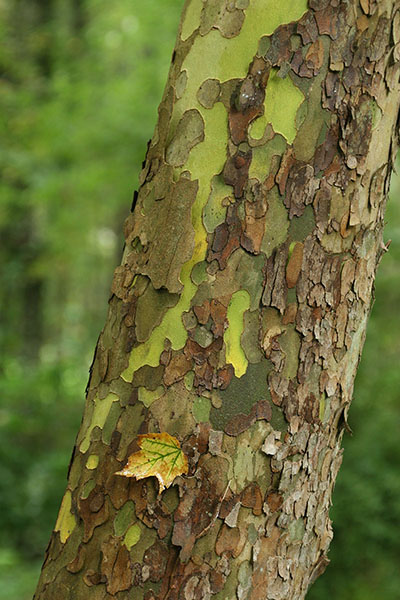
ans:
x=79 y=86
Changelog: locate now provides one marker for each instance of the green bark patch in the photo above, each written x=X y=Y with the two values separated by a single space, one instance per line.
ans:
x=128 y=425
x=124 y=517
x=173 y=215
x=199 y=272
x=281 y=92
x=138 y=539
x=149 y=352
x=240 y=302
x=188 y=380
x=277 y=223
x=111 y=421
x=191 y=21
x=65 y=521
x=257 y=127
x=311 y=122
x=249 y=337
x=214 y=212
x=219 y=15
x=180 y=85
x=148 y=377
x=278 y=421
x=376 y=113
x=249 y=276
x=242 y=394
x=132 y=536
x=149 y=396
x=296 y=530
x=250 y=463
x=92 y=462
x=301 y=227
x=201 y=409
x=208 y=92
x=324 y=408
x=244 y=271
x=290 y=344
x=203 y=337
x=262 y=155
x=151 y=307
x=101 y=408
x=172 y=411
x=87 y=488
x=214 y=144
x=189 y=132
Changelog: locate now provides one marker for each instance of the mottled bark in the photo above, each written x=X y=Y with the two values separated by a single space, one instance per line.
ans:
x=238 y=314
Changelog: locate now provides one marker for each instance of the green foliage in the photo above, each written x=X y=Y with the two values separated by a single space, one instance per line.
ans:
x=79 y=88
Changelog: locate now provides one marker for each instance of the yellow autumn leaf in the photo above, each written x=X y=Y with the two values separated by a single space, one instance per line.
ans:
x=160 y=455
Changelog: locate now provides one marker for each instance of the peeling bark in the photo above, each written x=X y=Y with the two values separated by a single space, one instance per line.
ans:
x=238 y=314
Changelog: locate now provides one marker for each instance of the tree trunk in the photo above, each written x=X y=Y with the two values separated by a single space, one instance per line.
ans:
x=238 y=314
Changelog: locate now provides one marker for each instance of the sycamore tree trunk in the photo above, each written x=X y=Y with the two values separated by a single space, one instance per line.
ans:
x=238 y=314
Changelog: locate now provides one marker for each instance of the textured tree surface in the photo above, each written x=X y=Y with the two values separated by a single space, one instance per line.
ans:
x=238 y=314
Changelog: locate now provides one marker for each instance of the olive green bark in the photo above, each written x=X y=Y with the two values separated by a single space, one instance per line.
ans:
x=238 y=314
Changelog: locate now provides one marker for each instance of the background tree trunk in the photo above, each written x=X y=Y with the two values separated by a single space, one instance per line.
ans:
x=238 y=314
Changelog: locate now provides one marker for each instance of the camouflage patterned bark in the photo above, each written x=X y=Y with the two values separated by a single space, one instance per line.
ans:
x=238 y=314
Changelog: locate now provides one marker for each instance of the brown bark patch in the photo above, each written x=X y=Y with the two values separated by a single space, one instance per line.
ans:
x=93 y=511
x=116 y=566
x=241 y=422
x=251 y=497
x=177 y=368
x=274 y=501
x=156 y=558
x=236 y=171
x=202 y=312
x=239 y=122
x=294 y=265
x=229 y=541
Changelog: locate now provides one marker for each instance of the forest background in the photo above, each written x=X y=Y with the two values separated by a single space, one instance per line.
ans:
x=80 y=82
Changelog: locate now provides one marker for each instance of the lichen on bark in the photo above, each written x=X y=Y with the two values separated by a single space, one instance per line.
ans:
x=239 y=310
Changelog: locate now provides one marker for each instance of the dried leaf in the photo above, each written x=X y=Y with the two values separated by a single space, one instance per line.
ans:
x=160 y=456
